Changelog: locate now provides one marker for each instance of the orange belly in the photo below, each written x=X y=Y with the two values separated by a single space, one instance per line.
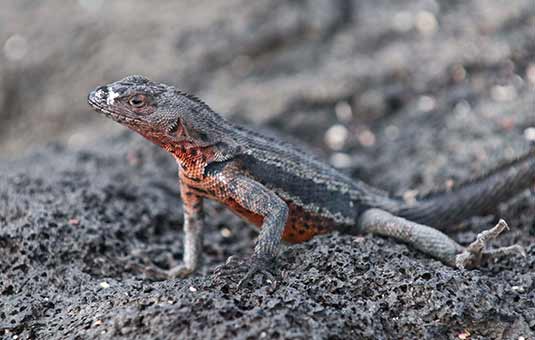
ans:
x=301 y=226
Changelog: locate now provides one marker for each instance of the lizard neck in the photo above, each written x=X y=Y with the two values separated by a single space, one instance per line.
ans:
x=192 y=159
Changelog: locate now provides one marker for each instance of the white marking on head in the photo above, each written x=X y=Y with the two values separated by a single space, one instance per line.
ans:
x=111 y=97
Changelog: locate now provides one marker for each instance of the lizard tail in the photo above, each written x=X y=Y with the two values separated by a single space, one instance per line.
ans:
x=474 y=197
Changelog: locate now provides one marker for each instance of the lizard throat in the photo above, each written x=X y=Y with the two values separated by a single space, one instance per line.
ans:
x=192 y=159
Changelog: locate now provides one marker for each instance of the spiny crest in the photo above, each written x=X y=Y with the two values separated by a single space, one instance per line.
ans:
x=136 y=79
x=194 y=98
x=143 y=84
x=140 y=80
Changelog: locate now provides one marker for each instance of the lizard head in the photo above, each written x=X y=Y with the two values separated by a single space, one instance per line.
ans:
x=165 y=115
x=161 y=113
x=141 y=104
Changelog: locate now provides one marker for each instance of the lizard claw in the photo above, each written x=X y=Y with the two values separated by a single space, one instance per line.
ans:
x=255 y=265
x=150 y=271
x=475 y=253
x=158 y=274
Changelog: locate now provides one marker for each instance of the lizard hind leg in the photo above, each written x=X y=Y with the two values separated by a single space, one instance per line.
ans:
x=435 y=243
x=475 y=253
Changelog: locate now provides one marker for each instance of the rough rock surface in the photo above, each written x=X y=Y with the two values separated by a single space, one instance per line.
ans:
x=427 y=92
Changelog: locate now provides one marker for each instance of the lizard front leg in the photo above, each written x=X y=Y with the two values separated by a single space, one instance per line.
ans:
x=193 y=238
x=193 y=232
x=256 y=198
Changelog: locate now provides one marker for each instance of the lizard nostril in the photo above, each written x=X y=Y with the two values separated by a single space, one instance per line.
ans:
x=98 y=95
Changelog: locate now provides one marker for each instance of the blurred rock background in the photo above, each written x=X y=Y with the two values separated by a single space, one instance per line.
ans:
x=349 y=77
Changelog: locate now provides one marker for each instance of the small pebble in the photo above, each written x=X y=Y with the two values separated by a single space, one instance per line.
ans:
x=409 y=196
x=226 y=232
x=519 y=289
x=343 y=112
x=74 y=221
x=15 y=47
x=340 y=160
x=529 y=134
x=464 y=335
x=530 y=73
x=462 y=108
x=503 y=93
x=104 y=285
x=192 y=289
x=392 y=132
x=358 y=239
x=336 y=136
x=133 y=158
x=458 y=73
x=426 y=22
x=426 y=103
x=507 y=123
x=366 y=138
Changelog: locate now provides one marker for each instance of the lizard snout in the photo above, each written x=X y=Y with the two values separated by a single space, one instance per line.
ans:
x=98 y=96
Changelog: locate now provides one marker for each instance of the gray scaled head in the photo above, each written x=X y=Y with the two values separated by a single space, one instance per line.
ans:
x=155 y=109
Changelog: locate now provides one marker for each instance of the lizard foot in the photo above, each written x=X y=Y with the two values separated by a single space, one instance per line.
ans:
x=475 y=253
x=251 y=267
x=153 y=272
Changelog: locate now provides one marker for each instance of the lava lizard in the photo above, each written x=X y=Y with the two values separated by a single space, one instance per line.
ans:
x=290 y=194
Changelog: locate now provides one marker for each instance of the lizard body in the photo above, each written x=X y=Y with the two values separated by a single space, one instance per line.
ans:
x=288 y=193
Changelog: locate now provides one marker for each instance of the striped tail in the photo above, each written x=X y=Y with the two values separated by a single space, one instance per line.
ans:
x=475 y=197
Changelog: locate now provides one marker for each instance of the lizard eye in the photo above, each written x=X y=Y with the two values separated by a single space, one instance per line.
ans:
x=137 y=100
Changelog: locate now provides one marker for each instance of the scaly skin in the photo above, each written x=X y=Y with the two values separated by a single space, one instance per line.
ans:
x=286 y=192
